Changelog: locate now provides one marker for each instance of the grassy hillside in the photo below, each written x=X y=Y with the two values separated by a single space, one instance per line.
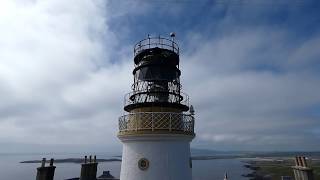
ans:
x=277 y=168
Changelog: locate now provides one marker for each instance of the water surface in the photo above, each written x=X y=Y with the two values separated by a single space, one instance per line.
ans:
x=11 y=169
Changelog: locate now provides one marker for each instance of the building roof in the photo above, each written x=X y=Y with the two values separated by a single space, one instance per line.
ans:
x=106 y=176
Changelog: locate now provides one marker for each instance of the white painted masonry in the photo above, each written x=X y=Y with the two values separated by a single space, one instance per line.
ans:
x=168 y=155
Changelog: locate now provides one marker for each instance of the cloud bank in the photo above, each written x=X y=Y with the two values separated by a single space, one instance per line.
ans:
x=65 y=66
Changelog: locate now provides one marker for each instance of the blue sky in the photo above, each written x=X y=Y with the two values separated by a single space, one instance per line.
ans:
x=250 y=67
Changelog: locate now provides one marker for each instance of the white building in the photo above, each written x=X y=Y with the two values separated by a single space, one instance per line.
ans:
x=157 y=130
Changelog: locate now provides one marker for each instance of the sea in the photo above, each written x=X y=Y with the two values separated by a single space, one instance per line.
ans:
x=12 y=169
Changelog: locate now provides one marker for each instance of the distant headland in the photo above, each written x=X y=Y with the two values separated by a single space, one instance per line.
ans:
x=72 y=160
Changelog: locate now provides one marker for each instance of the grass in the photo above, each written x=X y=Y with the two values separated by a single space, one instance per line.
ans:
x=276 y=169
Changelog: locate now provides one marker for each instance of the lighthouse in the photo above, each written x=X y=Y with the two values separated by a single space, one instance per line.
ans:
x=157 y=127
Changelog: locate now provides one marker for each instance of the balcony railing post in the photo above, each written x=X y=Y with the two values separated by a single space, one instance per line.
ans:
x=123 y=123
x=136 y=120
x=152 y=124
x=170 y=117
x=192 y=124
x=173 y=46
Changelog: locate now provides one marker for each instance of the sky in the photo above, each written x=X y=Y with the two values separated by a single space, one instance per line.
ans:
x=250 y=67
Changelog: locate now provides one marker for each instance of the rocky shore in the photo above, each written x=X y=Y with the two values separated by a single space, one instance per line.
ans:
x=255 y=175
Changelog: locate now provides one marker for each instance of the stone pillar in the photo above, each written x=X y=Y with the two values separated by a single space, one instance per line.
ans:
x=45 y=173
x=89 y=169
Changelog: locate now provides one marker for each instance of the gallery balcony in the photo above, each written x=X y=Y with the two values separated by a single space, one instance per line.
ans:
x=156 y=123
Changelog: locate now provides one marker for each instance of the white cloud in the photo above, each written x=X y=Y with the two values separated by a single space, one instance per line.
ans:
x=64 y=71
x=243 y=91
x=58 y=83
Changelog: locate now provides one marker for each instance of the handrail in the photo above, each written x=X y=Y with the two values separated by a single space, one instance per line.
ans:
x=145 y=84
x=152 y=42
x=146 y=97
x=157 y=121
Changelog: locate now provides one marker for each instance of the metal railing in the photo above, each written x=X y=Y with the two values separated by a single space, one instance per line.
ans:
x=139 y=85
x=157 y=121
x=152 y=42
x=136 y=97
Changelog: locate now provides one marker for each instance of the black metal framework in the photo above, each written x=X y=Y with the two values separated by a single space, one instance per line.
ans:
x=152 y=42
x=156 y=76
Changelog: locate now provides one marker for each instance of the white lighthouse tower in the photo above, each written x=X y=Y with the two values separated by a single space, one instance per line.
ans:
x=157 y=130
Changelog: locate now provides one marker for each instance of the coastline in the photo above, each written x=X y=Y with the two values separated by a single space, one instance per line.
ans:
x=71 y=160
x=274 y=167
